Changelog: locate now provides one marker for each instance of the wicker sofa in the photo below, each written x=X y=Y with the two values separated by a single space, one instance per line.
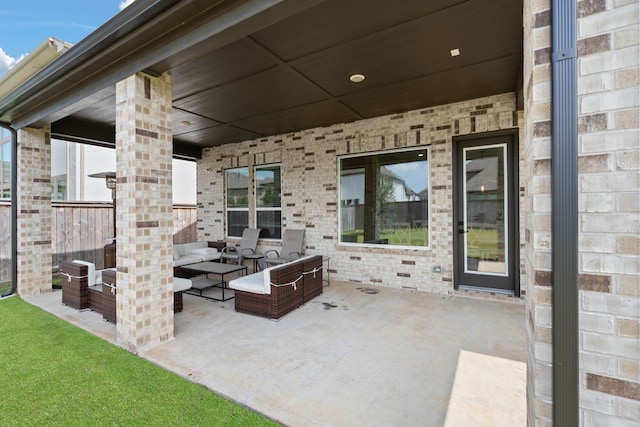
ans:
x=278 y=290
x=87 y=288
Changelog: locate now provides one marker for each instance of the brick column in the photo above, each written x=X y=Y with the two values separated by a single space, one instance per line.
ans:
x=608 y=165
x=34 y=211
x=537 y=205
x=608 y=205
x=144 y=222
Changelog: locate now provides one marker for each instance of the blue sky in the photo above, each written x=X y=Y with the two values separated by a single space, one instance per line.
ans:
x=414 y=174
x=24 y=24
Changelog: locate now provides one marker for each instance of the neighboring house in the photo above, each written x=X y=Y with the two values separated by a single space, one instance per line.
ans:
x=396 y=205
x=352 y=186
x=543 y=129
x=72 y=163
x=5 y=164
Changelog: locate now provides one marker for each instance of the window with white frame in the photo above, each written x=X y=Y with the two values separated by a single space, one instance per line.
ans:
x=268 y=201
x=267 y=206
x=384 y=199
x=237 y=192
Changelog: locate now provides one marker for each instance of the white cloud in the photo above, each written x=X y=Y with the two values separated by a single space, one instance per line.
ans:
x=7 y=62
x=125 y=3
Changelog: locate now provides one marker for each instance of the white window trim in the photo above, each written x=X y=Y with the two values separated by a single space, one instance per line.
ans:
x=226 y=201
x=503 y=148
x=266 y=209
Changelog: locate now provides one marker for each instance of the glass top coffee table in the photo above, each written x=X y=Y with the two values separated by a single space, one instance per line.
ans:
x=215 y=268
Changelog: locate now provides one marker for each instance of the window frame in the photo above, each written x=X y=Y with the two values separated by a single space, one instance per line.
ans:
x=257 y=209
x=427 y=149
x=235 y=209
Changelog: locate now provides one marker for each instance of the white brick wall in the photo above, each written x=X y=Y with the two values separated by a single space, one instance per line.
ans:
x=310 y=186
x=609 y=218
x=609 y=116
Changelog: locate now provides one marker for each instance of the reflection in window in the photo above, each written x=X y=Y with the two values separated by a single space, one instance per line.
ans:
x=64 y=170
x=59 y=187
x=484 y=209
x=237 y=190
x=384 y=199
x=268 y=204
x=5 y=170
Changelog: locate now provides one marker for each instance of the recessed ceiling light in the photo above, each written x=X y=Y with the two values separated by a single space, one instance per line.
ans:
x=356 y=78
x=455 y=52
x=185 y=123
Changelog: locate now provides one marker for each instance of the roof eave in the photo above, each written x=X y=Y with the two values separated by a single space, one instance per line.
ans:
x=121 y=25
x=139 y=37
x=32 y=63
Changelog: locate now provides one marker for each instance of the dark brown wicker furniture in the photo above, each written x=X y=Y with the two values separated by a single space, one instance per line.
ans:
x=185 y=274
x=312 y=287
x=218 y=245
x=101 y=298
x=109 y=291
x=75 y=281
x=282 y=299
x=288 y=286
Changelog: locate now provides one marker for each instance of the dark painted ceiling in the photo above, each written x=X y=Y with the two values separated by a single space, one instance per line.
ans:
x=294 y=74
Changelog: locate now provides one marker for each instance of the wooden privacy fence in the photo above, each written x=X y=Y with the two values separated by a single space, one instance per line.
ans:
x=80 y=231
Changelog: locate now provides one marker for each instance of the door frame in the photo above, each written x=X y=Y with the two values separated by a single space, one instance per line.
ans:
x=513 y=193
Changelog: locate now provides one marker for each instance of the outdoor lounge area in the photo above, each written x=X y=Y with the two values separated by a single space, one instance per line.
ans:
x=469 y=170
x=354 y=355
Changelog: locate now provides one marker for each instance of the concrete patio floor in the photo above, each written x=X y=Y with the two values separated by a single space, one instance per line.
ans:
x=356 y=355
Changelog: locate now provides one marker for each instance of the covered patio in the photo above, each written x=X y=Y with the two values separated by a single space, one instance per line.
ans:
x=316 y=92
x=356 y=355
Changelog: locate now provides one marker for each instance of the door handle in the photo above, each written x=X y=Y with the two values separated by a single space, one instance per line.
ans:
x=463 y=231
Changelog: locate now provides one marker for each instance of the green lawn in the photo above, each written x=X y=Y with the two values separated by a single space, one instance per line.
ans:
x=55 y=374
x=396 y=237
x=483 y=244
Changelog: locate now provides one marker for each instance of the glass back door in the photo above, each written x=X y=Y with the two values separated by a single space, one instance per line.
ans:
x=485 y=214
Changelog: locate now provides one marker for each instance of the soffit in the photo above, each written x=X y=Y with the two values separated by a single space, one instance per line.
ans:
x=294 y=74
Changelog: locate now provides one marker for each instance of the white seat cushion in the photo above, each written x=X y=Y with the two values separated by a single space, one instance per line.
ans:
x=190 y=247
x=187 y=259
x=180 y=284
x=260 y=283
x=207 y=254
x=91 y=272
x=253 y=283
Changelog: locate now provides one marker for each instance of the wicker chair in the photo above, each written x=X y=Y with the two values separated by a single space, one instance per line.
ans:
x=282 y=298
x=86 y=288
x=277 y=290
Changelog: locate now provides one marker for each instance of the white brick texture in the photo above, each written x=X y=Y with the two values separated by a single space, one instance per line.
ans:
x=144 y=219
x=310 y=186
x=34 y=211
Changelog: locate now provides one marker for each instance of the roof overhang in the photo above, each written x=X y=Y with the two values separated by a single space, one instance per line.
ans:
x=248 y=69
x=39 y=58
